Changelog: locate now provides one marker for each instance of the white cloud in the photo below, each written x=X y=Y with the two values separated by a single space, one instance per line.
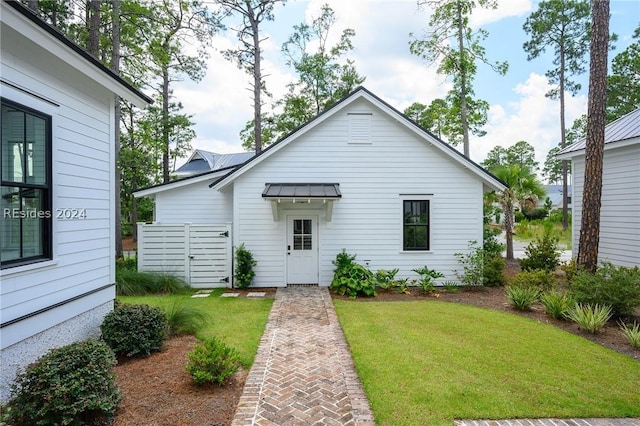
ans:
x=505 y=9
x=533 y=118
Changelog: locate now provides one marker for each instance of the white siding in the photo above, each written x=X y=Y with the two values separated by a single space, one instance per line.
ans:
x=367 y=220
x=620 y=220
x=82 y=177
x=196 y=203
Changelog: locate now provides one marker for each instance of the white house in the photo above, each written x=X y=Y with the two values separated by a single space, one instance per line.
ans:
x=360 y=176
x=57 y=233
x=620 y=217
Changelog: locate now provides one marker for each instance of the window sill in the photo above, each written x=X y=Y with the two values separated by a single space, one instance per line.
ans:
x=415 y=251
x=27 y=268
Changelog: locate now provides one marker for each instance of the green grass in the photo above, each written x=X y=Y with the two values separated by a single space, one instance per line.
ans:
x=432 y=362
x=530 y=230
x=238 y=322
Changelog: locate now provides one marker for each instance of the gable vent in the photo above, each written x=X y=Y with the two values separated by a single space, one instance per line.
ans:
x=359 y=128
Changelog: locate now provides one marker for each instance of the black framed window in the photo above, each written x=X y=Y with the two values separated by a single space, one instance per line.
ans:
x=415 y=226
x=25 y=198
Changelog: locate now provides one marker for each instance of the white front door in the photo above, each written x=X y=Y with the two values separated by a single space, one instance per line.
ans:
x=302 y=250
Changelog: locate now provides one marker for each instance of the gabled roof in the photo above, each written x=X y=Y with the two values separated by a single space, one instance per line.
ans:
x=202 y=161
x=362 y=93
x=619 y=132
x=24 y=21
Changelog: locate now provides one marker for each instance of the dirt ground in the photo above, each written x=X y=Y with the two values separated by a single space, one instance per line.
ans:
x=157 y=390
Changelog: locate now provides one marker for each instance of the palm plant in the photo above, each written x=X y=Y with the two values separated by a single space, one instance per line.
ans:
x=523 y=187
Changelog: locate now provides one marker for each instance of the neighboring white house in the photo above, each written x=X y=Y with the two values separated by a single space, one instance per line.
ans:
x=57 y=233
x=360 y=176
x=620 y=211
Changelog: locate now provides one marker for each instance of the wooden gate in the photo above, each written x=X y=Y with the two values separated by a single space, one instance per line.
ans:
x=199 y=254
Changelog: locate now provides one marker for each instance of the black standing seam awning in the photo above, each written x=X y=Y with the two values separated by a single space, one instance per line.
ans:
x=302 y=190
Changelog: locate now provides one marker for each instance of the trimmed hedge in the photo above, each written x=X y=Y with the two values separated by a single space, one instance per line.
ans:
x=132 y=330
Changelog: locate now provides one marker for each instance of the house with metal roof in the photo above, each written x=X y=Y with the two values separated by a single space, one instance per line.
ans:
x=57 y=151
x=619 y=214
x=361 y=176
x=202 y=161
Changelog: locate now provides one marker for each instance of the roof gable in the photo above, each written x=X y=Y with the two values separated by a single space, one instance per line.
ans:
x=625 y=129
x=364 y=94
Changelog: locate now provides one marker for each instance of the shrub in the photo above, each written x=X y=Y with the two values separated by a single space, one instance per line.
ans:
x=542 y=253
x=617 y=287
x=631 y=333
x=493 y=271
x=69 y=385
x=539 y=279
x=130 y=282
x=490 y=244
x=472 y=265
x=451 y=286
x=590 y=318
x=386 y=279
x=212 y=362
x=427 y=278
x=135 y=329
x=570 y=269
x=351 y=278
x=185 y=319
x=556 y=304
x=522 y=298
x=244 y=272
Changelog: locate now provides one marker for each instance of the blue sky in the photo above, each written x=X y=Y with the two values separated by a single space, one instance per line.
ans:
x=221 y=103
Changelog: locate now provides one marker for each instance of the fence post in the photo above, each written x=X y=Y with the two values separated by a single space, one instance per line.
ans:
x=187 y=252
x=141 y=250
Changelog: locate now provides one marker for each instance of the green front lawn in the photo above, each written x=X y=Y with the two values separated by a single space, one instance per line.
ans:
x=432 y=362
x=239 y=322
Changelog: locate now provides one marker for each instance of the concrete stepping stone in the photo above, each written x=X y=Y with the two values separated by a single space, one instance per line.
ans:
x=256 y=294
x=230 y=295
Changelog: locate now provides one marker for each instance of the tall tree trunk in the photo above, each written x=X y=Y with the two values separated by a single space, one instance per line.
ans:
x=594 y=152
x=165 y=125
x=115 y=66
x=507 y=210
x=563 y=143
x=93 y=25
x=257 y=80
x=463 y=85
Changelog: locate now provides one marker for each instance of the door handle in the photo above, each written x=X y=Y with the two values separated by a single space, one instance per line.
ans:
x=288 y=250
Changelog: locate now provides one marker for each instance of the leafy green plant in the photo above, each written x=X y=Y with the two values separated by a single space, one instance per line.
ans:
x=244 y=272
x=451 y=286
x=130 y=282
x=427 y=278
x=212 y=362
x=589 y=317
x=493 y=270
x=522 y=298
x=351 y=278
x=184 y=319
x=132 y=330
x=403 y=286
x=556 y=304
x=617 y=287
x=631 y=333
x=472 y=265
x=570 y=269
x=490 y=243
x=73 y=384
x=540 y=279
x=386 y=279
x=542 y=254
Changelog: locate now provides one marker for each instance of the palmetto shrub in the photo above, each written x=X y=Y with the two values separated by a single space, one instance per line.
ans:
x=134 y=330
x=590 y=318
x=522 y=298
x=71 y=385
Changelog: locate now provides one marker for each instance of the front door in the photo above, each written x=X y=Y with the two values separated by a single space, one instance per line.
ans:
x=302 y=250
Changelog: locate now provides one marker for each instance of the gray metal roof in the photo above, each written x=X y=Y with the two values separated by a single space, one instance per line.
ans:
x=302 y=190
x=625 y=127
x=205 y=161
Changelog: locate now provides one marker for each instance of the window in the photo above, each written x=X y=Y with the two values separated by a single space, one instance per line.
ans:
x=25 y=198
x=302 y=236
x=415 y=226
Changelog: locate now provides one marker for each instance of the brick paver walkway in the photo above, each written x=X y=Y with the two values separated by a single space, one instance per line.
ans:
x=303 y=373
